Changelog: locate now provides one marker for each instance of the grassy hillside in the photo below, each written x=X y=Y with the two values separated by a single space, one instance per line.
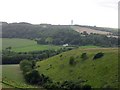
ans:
x=102 y=72
x=12 y=77
x=24 y=45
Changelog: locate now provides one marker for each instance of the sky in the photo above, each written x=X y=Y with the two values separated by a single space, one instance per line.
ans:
x=103 y=13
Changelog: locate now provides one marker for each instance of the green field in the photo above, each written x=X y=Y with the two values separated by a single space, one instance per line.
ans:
x=89 y=46
x=24 y=45
x=102 y=72
x=12 y=77
x=12 y=72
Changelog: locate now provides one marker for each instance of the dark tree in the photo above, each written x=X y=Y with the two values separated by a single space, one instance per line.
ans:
x=98 y=55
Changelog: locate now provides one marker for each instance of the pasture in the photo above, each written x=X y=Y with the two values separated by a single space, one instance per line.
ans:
x=24 y=45
x=102 y=72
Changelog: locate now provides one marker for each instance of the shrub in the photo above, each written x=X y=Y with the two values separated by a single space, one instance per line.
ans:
x=32 y=77
x=66 y=85
x=86 y=87
x=84 y=56
x=33 y=64
x=25 y=66
x=98 y=55
x=60 y=55
x=72 y=61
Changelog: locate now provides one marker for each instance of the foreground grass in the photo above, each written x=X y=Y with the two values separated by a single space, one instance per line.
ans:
x=12 y=72
x=0 y=76
x=12 y=77
x=98 y=73
x=25 y=45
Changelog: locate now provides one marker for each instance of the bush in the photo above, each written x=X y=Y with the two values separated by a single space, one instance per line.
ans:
x=87 y=87
x=84 y=56
x=25 y=66
x=33 y=64
x=72 y=61
x=66 y=85
x=60 y=55
x=32 y=77
x=98 y=55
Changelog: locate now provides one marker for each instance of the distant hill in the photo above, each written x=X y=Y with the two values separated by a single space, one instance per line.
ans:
x=99 y=73
x=59 y=34
x=27 y=30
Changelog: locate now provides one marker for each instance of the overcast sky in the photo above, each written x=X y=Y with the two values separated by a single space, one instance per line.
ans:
x=83 y=12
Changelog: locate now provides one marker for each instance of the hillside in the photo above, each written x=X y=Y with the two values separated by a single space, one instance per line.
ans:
x=26 y=30
x=102 y=72
x=110 y=32
x=59 y=34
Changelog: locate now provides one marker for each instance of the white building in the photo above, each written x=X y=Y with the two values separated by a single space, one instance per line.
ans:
x=65 y=45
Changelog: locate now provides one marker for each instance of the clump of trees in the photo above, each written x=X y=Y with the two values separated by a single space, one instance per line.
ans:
x=98 y=55
x=31 y=75
x=26 y=66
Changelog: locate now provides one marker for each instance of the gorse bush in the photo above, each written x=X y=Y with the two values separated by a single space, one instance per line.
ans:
x=84 y=56
x=98 y=55
x=72 y=61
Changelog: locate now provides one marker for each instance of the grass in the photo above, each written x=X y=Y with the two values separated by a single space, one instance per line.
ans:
x=13 y=77
x=12 y=72
x=89 y=46
x=24 y=45
x=98 y=73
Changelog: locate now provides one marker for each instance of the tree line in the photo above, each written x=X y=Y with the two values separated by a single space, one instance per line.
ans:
x=11 y=57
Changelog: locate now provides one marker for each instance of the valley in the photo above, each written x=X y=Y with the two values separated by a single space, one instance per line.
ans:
x=58 y=56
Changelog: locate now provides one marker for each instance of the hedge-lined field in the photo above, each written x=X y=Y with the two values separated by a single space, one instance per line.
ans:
x=24 y=45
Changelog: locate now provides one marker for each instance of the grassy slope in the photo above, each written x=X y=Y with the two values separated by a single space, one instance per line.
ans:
x=24 y=45
x=101 y=72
